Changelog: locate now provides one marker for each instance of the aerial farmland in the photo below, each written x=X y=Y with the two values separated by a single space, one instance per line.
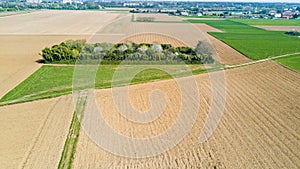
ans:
x=170 y=91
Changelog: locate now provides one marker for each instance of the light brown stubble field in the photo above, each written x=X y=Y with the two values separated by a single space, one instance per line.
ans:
x=33 y=134
x=259 y=128
x=22 y=37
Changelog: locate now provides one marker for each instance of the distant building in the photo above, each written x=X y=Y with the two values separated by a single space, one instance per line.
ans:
x=288 y=14
x=67 y=1
x=34 y=1
x=272 y=12
x=168 y=10
x=278 y=15
x=184 y=14
x=199 y=14
x=131 y=4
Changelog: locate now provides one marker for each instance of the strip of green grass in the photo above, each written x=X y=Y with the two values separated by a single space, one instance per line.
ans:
x=269 y=22
x=68 y=153
x=251 y=41
x=52 y=81
x=291 y=62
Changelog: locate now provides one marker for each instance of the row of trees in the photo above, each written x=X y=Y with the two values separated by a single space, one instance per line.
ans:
x=72 y=51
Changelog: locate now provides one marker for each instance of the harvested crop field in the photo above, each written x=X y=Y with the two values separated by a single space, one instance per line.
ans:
x=153 y=38
x=22 y=37
x=57 y=22
x=19 y=54
x=123 y=28
x=259 y=128
x=33 y=134
x=280 y=28
x=156 y=17
x=226 y=54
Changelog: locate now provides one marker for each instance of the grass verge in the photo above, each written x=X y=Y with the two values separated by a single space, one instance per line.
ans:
x=69 y=150
x=253 y=42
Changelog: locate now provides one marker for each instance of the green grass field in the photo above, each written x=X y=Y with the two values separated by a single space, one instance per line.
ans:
x=52 y=81
x=269 y=22
x=251 y=41
x=291 y=62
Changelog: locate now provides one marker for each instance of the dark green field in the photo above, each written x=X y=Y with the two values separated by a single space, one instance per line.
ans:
x=291 y=62
x=251 y=41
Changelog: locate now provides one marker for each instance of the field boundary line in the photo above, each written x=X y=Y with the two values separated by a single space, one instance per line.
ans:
x=261 y=60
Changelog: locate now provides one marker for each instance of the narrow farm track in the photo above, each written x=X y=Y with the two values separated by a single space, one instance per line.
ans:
x=259 y=128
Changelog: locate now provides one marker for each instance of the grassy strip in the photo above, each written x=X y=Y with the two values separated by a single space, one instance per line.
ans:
x=269 y=22
x=53 y=81
x=69 y=150
x=251 y=41
x=132 y=17
x=291 y=62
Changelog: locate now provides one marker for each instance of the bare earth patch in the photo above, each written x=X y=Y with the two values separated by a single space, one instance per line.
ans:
x=153 y=38
x=280 y=28
x=22 y=37
x=157 y=17
x=33 y=134
x=259 y=128
x=123 y=28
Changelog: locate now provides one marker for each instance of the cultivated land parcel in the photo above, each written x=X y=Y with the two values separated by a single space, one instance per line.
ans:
x=259 y=128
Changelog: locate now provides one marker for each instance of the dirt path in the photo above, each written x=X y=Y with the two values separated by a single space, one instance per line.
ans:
x=280 y=28
x=259 y=129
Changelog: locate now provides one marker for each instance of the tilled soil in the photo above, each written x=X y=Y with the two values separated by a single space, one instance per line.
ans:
x=259 y=127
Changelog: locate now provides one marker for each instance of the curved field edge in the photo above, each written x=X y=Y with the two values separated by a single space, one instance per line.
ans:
x=291 y=62
x=253 y=42
x=54 y=81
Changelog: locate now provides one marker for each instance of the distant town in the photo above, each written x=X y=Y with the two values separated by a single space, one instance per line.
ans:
x=178 y=8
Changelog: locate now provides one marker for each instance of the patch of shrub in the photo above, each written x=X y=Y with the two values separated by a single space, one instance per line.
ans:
x=71 y=51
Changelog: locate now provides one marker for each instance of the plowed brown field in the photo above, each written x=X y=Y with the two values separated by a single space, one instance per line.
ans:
x=124 y=28
x=153 y=38
x=157 y=17
x=33 y=134
x=259 y=128
x=23 y=36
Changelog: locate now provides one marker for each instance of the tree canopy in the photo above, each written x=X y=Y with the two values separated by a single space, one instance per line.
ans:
x=71 y=51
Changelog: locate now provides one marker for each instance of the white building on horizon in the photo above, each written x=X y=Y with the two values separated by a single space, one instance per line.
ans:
x=34 y=1
x=67 y=1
